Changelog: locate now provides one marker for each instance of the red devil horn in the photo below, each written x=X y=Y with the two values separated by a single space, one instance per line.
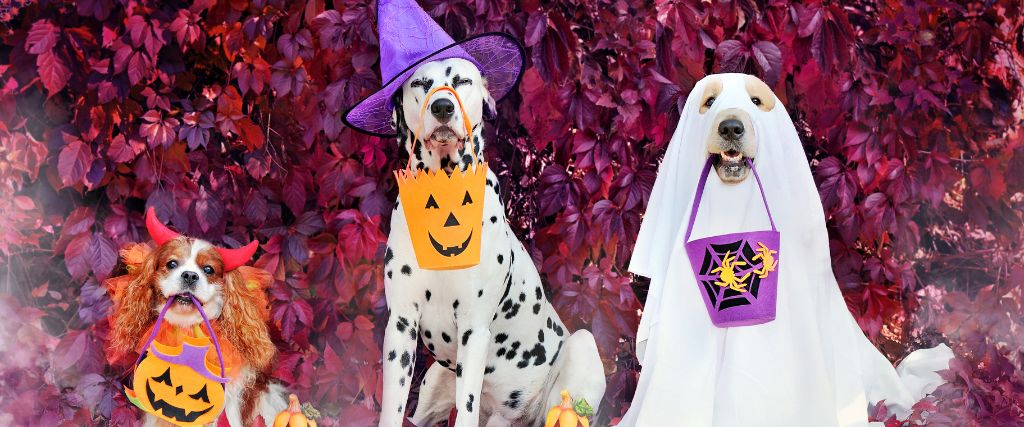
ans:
x=234 y=258
x=157 y=230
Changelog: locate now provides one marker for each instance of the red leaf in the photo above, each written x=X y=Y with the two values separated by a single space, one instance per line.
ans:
x=102 y=256
x=536 y=26
x=52 y=72
x=74 y=161
x=42 y=37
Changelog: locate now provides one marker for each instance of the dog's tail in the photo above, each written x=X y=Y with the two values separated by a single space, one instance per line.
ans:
x=264 y=398
x=271 y=402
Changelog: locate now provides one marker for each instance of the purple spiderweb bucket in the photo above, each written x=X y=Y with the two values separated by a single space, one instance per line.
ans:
x=737 y=273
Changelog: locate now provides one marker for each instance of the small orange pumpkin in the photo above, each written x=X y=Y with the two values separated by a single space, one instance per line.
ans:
x=296 y=415
x=569 y=414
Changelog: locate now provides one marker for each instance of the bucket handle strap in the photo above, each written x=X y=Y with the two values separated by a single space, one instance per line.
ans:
x=465 y=121
x=700 y=193
x=206 y=320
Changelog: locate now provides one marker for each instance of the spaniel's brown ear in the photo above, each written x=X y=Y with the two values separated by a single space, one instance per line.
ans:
x=134 y=310
x=243 y=320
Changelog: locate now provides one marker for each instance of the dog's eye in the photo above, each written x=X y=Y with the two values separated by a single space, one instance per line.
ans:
x=207 y=269
x=710 y=101
x=459 y=81
x=172 y=264
x=423 y=83
x=431 y=203
x=466 y=200
x=756 y=100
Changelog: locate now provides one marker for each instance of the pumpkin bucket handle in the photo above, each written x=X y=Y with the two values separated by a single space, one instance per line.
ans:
x=465 y=121
x=206 y=320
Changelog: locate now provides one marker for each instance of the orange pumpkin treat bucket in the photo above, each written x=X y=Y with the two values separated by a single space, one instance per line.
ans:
x=444 y=212
x=177 y=383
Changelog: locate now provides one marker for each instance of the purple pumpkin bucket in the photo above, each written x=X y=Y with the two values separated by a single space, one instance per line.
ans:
x=737 y=273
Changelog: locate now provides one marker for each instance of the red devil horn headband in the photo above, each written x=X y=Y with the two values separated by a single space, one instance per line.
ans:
x=232 y=258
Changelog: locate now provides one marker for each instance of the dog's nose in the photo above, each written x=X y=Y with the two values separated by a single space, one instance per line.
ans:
x=189 y=278
x=442 y=109
x=730 y=129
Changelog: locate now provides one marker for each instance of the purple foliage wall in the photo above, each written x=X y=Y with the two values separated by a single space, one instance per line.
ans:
x=227 y=114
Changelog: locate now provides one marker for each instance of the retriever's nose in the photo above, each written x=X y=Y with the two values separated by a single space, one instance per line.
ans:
x=442 y=109
x=730 y=129
x=189 y=278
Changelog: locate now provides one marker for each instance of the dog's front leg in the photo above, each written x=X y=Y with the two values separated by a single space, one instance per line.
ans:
x=469 y=372
x=399 y=359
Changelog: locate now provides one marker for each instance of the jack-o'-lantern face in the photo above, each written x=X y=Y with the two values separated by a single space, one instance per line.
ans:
x=444 y=214
x=168 y=385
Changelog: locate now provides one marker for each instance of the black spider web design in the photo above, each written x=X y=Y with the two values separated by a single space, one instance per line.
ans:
x=722 y=297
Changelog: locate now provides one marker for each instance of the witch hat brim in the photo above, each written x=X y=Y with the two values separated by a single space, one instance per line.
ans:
x=409 y=38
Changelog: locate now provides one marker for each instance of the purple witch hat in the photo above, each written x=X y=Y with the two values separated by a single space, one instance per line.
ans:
x=409 y=38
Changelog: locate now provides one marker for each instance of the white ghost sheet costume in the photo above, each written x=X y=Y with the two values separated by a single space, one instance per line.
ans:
x=812 y=365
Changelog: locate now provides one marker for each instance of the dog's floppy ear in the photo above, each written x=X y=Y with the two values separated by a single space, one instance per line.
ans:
x=243 y=320
x=397 y=112
x=490 y=110
x=133 y=310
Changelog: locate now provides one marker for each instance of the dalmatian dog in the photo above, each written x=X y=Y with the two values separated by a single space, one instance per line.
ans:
x=501 y=353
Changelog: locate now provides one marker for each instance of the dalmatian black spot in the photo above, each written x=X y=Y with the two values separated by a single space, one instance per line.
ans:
x=389 y=274
x=430 y=346
x=392 y=356
x=488 y=370
x=426 y=333
x=406 y=270
x=465 y=336
x=401 y=381
x=501 y=259
x=540 y=335
x=401 y=324
x=511 y=354
x=444 y=363
x=388 y=255
x=522 y=297
x=494 y=219
x=455 y=305
x=458 y=370
x=538 y=293
x=469 y=403
x=536 y=308
x=480 y=293
x=445 y=337
x=559 y=350
x=513 y=312
x=501 y=352
x=405 y=359
x=400 y=409
x=428 y=299
x=500 y=337
x=513 y=399
x=506 y=306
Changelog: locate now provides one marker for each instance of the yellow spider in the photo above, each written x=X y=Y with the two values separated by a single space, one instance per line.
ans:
x=768 y=261
x=728 y=276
